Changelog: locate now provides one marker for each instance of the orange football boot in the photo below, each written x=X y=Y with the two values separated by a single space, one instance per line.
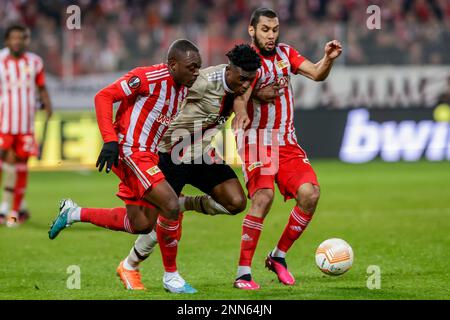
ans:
x=131 y=279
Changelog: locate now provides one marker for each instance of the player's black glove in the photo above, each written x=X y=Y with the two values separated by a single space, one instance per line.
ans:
x=109 y=156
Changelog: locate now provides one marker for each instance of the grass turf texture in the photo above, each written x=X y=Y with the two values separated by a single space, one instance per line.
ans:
x=395 y=216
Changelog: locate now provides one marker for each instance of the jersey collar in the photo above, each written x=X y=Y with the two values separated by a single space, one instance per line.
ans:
x=227 y=89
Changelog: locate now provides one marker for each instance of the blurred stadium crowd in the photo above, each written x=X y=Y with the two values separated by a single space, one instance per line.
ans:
x=121 y=34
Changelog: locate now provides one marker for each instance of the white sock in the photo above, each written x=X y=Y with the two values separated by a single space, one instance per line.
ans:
x=243 y=270
x=168 y=276
x=277 y=253
x=127 y=266
x=74 y=216
x=144 y=245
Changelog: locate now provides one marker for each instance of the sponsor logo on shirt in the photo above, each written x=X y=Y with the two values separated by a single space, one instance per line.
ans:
x=165 y=120
x=217 y=119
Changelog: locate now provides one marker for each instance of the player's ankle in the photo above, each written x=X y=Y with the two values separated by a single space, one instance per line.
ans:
x=130 y=265
x=244 y=270
x=74 y=216
x=246 y=277
x=277 y=253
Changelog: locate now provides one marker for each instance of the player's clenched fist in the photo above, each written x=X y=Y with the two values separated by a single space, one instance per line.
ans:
x=333 y=49
x=109 y=156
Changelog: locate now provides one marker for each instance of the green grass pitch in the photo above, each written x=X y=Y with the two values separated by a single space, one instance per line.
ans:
x=395 y=216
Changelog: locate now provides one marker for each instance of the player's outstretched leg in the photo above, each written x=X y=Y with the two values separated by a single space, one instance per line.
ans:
x=167 y=232
x=300 y=217
x=230 y=197
x=63 y=219
x=130 y=219
x=128 y=269
x=204 y=204
x=251 y=230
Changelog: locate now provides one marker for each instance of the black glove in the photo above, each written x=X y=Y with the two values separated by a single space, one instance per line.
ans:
x=108 y=155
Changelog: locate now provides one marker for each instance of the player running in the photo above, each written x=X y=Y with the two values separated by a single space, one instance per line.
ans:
x=269 y=148
x=22 y=83
x=150 y=98
x=187 y=156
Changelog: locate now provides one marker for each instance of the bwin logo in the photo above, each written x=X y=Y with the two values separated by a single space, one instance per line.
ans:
x=405 y=140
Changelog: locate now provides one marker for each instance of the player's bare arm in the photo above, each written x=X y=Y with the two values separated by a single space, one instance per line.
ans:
x=319 y=71
x=241 y=119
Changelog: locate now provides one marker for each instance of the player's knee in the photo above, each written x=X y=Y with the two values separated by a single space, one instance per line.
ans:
x=142 y=227
x=262 y=199
x=236 y=204
x=309 y=197
x=171 y=209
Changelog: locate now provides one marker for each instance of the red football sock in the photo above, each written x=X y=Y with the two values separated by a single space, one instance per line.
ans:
x=167 y=234
x=21 y=184
x=114 y=219
x=180 y=227
x=298 y=221
x=251 y=230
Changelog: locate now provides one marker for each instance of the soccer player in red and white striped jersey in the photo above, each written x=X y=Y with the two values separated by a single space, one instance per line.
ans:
x=149 y=98
x=269 y=148
x=22 y=83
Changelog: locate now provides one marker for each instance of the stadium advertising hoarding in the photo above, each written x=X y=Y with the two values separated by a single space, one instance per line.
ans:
x=71 y=140
x=396 y=125
x=348 y=87
x=352 y=135
x=362 y=135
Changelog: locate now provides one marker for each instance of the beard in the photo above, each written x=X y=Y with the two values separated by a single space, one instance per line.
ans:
x=17 y=52
x=262 y=50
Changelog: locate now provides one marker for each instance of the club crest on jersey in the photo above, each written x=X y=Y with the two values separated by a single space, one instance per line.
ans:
x=282 y=64
x=153 y=170
x=134 y=82
x=254 y=165
x=283 y=81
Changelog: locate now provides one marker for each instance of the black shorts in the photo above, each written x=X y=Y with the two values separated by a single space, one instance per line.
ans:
x=202 y=176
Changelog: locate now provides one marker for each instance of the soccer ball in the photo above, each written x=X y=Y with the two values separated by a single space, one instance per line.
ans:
x=334 y=256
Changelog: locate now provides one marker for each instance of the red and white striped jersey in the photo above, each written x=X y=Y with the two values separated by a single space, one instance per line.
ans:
x=271 y=121
x=149 y=102
x=19 y=80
